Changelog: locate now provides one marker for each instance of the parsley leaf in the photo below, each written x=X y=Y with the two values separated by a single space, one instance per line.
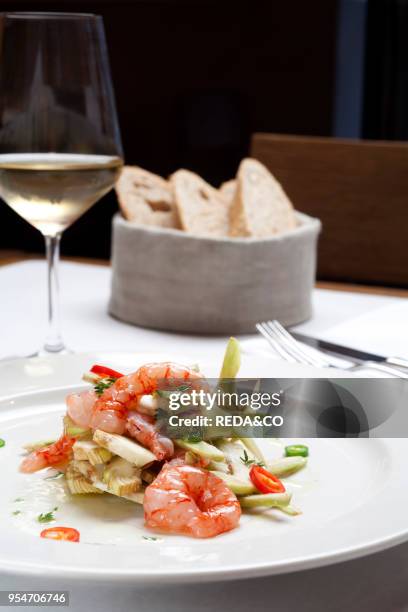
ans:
x=194 y=438
x=16 y=512
x=104 y=383
x=47 y=517
x=55 y=476
x=167 y=392
x=247 y=461
x=150 y=538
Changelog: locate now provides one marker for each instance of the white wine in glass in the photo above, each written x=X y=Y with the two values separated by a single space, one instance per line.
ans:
x=60 y=148
x=52 y=190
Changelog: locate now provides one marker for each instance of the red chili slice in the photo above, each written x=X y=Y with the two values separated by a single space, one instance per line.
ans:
x=104 y=371
x=68 y=534
x=264 y=481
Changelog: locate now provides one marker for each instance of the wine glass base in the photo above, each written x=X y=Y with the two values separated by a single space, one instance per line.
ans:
x=53 y=349
x=44 y=352
x=48 y=351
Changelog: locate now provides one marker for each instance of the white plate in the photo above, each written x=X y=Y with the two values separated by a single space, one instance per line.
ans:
x=353 y=496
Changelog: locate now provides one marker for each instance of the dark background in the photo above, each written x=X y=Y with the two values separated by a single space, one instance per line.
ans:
x=194 y=79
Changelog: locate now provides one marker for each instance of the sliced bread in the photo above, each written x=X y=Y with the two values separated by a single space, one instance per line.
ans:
x=227 y=189
x=145 y=198
x=202 y=210
x=260 y=208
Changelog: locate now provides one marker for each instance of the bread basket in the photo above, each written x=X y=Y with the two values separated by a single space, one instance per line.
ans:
x=167 y=279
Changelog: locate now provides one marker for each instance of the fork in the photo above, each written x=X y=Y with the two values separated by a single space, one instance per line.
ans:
x=294 y=351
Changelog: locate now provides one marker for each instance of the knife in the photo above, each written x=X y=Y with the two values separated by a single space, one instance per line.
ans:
x=346 y=351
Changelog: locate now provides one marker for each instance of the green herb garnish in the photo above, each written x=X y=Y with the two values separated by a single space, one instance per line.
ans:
x=151 y=538
x=194 y=438
x=47 y=517
x=182 y=388
x=55 y=476
x=104 y=383
x=16 y=512
x=247 y=461
x=18 y=499
x=2 y=442
x=167 y=392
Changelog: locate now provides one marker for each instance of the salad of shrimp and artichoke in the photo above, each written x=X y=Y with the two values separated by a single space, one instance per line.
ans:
x=112 y=444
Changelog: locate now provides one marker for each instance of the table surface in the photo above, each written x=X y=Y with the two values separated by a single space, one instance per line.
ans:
x=377 y=582
x=9 y=257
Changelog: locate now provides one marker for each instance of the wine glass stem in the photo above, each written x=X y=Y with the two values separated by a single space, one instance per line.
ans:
x=54 y=343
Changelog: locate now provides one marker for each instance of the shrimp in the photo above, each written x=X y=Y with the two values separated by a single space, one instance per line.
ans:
x=110 y=417
x=109 y=411
x=191 y=501
x=80 y=407
x=55 y=455
x=128 y=389
x=142 y=428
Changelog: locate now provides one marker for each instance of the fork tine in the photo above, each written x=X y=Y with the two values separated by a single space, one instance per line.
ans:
x=264 y=331
x=302 y=351
x=288 y=336
x=319 y=357
x=300 y=358
x=303 y=355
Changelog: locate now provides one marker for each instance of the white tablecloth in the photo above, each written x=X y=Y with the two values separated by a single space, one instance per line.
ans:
x=374 y=322
x=375 y=583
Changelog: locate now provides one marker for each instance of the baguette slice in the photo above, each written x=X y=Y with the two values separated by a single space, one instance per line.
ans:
x=260 y=207
x=202 y=210
x=145 y=198
x=227 y=189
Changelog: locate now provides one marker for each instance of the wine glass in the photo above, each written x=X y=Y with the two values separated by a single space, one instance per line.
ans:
x=60 y=147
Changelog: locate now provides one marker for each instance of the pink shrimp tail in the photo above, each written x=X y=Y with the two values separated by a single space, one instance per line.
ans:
x=54 y=455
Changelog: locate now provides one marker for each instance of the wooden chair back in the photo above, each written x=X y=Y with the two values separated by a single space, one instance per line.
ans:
x=359 y=190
